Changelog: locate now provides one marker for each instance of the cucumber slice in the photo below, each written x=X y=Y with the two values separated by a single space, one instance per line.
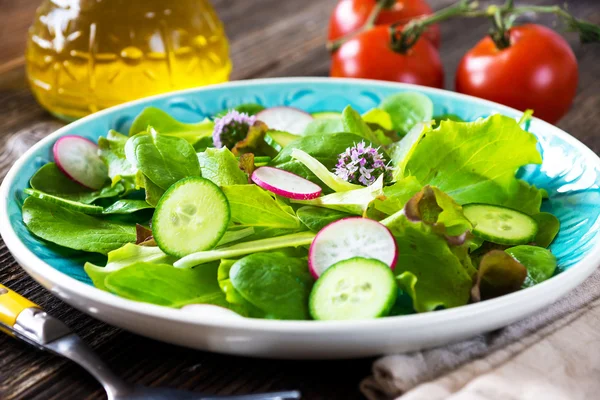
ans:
x=191 y=216
x=500 y=224
x=278 y=139
x=357 y=288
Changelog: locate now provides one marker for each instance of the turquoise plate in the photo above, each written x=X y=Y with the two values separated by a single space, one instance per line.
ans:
x=570 y=173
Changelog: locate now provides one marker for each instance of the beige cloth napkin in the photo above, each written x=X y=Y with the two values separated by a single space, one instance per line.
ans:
x=553 y=355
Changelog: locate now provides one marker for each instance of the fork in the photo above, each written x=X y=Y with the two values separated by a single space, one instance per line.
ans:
x=25 y=320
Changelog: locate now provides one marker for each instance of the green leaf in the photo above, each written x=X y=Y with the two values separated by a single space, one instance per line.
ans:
x=437 y=277
x=540 y=263
x=246 y=108
x=123 y=257
x=498 y=274
x=402 y=150
x=352 y=201
x=324 y=126
x=166 y=285
x=203 y=144
x=379 y=117
x=436 y=208
x=153 y=192
x=255 y=142
x=407 y=109
x=397 y=195
x=242 y=249
x=162 y=159
x=112 y=151
x=247 y=165
x=50 y=180
x=252 y=206
x=316 y=218
x=446 y=117
x=221 y=167
x=353 y=123
x=548 y=227
x=326 y=149
x=524 y=197
x=59 y=201
x=73 y=229
x=474 y=161
x=235 y=300
x=279 y=139
x=236 y=235
x=126 y=206
x=336 y=183
x=275 y=283
x=164 y=124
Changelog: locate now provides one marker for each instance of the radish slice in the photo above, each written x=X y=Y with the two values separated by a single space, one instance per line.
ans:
x=77 y=157
x=348 y=238
x=285 y=183
x=287 y=119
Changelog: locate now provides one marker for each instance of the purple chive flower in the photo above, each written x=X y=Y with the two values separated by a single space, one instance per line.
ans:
x=362 y=165
x=231 y=128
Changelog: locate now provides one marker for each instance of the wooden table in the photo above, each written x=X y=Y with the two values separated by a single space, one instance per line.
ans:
x=268 y=38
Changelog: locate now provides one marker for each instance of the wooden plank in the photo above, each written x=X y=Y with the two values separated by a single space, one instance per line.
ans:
x=268 y=38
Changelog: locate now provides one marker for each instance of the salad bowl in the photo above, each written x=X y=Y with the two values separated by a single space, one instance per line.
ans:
x=570 y=173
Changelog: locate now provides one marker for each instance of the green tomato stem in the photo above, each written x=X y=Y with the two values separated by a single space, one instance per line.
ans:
x=403 y=39
x=502 y=17
x=369 y=24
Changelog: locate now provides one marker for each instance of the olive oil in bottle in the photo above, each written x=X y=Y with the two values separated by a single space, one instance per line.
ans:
x=87 y=55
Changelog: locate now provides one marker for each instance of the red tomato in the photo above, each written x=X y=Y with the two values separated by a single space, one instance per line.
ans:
x=538 y=71
x=350 y=15
x=368 y=55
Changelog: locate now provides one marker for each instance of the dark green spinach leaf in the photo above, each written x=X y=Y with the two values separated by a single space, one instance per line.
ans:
x=73 y=229
x=166 y=285
x=540 y=263
x=162 y=159
x=50 y=180
x=316 y=218
x=274 y=283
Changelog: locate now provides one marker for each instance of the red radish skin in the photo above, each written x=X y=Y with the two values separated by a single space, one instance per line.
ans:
x=286 y=184
x=63 y=168
x=358 y=250
x=288 y=119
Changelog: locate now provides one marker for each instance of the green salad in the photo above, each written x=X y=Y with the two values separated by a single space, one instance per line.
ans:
x=281 y=214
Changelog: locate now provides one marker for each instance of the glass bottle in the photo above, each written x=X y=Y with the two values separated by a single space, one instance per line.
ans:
x=86 y=55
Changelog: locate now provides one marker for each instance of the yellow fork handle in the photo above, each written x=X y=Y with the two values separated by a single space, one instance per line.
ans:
x=11 y=305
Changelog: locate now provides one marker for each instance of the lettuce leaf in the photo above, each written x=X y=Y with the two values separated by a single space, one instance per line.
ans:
x=123 y=257
x=498 y=274
x=355 y=201
x=221 y=167
x=167 y=125
x=407 y=109
x=111 y=150
x=166 y=285
x=336 y=183
x=252 y=206
x=540 y=262
x=436 y=208
x=475 y=161
x=548 y=227
x=427 y=268
x=397 y=195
